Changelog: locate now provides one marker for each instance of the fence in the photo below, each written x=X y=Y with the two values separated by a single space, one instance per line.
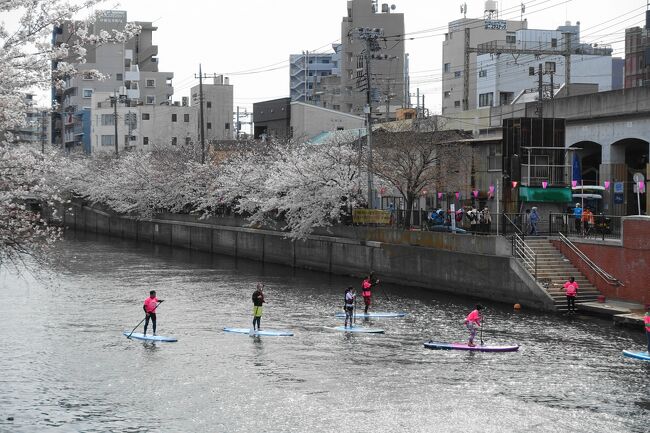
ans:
x=599 y=227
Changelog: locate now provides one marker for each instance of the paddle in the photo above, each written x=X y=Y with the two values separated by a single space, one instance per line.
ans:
x=354 y=310
x=145 y=317
x=481 y=330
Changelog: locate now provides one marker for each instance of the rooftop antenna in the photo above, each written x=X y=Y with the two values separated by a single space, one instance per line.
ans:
x=463 y=9
x=523 y=11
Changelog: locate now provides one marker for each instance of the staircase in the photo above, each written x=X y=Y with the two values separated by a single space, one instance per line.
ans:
x=553 y=270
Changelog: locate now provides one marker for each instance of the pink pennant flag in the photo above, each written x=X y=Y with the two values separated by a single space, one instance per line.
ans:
x=457 y=196
x=607 y=185
x=574 y=183
x=491 y=189
x=439 y=196
x=641 y=186
x=544 y=184
x=514 y=183
x=475 y=193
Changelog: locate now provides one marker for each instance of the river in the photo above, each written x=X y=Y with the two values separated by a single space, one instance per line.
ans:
x=65 y=366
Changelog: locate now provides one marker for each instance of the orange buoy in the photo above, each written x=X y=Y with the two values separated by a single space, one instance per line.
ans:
x=517 y=307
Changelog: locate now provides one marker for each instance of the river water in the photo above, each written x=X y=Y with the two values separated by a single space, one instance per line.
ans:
x=65 y=366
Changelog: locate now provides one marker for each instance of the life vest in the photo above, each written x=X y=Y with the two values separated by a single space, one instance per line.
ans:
x=646 y=320
x=366 y=286
x=349 y=300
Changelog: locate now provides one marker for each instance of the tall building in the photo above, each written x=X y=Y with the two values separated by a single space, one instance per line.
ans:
x=637 y=55
x=217 y=108
x=308 y=69
x=480 y=30
x=388 y=77
x=130 y=69
x=501 y=78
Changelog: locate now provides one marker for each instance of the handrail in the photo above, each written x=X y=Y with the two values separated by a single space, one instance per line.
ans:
x=525 y=253
x=513 y=224
x=609 y=279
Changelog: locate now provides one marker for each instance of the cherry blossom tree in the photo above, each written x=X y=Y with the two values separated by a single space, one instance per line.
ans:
x=29 y=63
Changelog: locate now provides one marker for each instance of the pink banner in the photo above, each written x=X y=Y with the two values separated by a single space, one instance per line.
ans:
x=491 y=189
x=641 y=186
x=514 y=183
x=457 y=196
x=439 y=196
x=475 y=193
x=544 y=184
x=607 y=185
x=574 y=183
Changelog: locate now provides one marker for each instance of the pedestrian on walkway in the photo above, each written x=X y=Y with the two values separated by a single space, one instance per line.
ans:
x=571 y=290
x=587 y=221
x=534 y=219
x=577 y=214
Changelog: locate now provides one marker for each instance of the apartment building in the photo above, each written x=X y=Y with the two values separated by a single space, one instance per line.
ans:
x=637 y=55
x=308 y=69
x=130 y=70
x=217 y=108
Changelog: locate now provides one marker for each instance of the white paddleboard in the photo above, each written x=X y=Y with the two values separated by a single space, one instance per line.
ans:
x=376 y=315
x=264 y=332
x=149 y=337
x=359 y=329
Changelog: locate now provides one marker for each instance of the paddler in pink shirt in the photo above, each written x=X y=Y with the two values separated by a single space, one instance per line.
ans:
x=149 y=307
x=571 y=288
x=473 y=322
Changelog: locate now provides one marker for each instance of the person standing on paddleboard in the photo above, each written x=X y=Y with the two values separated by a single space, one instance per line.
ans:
x=149 y=307
x=258 y=300
x=571 y=289
x=366 y=291
x=348 y=306
x=473 y=322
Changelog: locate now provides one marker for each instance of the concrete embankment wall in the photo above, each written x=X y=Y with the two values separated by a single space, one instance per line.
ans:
x=493 y=277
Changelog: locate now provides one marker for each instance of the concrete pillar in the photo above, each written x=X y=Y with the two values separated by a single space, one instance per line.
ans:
x=613 y=173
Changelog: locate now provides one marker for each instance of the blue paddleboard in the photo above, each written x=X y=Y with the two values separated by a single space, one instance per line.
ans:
x=463 y=346
x=264 y=332
x=374 y=315
x=359 y=329
x=150 y=337
x=644 y=356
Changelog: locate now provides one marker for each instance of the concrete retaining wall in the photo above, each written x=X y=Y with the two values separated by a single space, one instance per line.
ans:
x=488 y=276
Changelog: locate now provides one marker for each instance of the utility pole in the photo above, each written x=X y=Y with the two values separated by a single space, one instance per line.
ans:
x=114 y=102
x=540 y=101
x=201 y=129
x=370 y=36
x=42 y=130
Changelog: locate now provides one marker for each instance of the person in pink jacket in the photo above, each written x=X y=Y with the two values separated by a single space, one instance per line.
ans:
x=646 y=321
x=571 y=289
x=473 y=323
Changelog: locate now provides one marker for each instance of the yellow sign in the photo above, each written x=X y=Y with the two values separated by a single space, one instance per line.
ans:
x=370 y=216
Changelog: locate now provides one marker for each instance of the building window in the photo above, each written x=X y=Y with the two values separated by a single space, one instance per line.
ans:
x=511 y=38
x=336 y=107
x=457 y=74
x=145 y=140
x=456 y=104
x=150 y=83
x=227 y=126
x=494 y=157
x=151 y=99
x=554 y=42
x=188 y=141
x=531 y=71
x=119 y=77
x=108 y=119
x=208 y=104
x=174 y=141
x=108 y=140
x=186 y=117
x=209 y=125
x=485 y=99
x=447 y=67
x=174 y=117
x=145 y=116
x=482 y=73
x=447 y=93
x=87 y=93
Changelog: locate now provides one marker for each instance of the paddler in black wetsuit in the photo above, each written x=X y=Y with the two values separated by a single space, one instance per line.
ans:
x=258 y=300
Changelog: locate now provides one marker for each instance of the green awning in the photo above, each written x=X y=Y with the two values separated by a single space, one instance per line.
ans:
x=548 y=195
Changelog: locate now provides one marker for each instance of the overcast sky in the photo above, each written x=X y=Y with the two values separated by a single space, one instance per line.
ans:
x=232 y=36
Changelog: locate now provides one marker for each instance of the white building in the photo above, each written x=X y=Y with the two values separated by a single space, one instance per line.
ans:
x=501 y=78
x=309 y=120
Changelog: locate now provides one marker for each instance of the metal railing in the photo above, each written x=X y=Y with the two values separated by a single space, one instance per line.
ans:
x=600 y=227
x=609 y=279
x=524 y=254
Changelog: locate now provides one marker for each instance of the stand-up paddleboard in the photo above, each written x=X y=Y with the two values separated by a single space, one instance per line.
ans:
x=374 y=315
x=359 y=329
x=264 y=332
x=644 y=356
x=150 y=337
x=464 y=346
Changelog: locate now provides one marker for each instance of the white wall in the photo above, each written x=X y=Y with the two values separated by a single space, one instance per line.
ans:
x=309 y=120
